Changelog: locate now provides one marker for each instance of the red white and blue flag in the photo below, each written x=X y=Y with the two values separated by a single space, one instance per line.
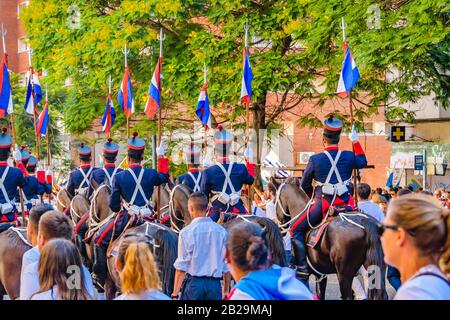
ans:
x=154 y=91
x=203 y=112
x=349 y=74
x=109 y=117
x=42 y=121
x=34 y=93
x=126 y=94
x=6 y=102
x=247 y=78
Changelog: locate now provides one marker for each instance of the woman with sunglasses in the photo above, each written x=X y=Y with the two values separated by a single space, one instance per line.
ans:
x=416 y=241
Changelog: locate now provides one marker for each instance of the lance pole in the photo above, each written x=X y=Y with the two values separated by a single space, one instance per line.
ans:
x=205 y=143
x=109 y=97
x=161 y=39
x=47 y=139
x=36 y=135
x=125 y=52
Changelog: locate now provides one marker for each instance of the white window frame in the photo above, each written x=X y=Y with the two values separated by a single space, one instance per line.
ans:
x=20 y=5
x=19 y=49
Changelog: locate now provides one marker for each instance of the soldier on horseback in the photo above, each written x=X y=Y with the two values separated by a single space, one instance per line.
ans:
x=193 y=177
x=79 y=178
x=10 y=179
x=130 y=200
x=326 y=181
x=224 y=181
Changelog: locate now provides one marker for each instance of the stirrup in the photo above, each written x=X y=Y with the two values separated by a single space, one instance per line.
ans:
x=301 y=274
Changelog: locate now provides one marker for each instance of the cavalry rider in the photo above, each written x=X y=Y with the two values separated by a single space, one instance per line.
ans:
x=193 y=176
x=34 y=188
x=10 y=179
x=130 y=201
x=79 y=178
x=225 y=179
x=109 y=170
x=326 y=179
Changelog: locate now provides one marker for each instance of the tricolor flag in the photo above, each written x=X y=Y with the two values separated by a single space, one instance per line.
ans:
x=154 y=91
x=6 y=102
x=42 y=121
x=349 y=74
x=202 y=111
x=126 y=94
x=29 y=102
x=36 y=88
x=247 y=78
x=109 y=117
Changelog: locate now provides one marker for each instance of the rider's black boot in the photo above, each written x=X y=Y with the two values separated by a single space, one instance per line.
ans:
x=302 y=271
x=82 y=247
x=99 y=268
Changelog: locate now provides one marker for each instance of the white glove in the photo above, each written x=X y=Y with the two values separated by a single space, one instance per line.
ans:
x=17 y=155
x=353 y=136
x=248 y=153
x=160 y=150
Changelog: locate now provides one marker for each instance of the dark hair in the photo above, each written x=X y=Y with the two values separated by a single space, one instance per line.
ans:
x=271 y=187
x=135 y=155
x=364 y=191
x=379 y=190
x=31 y=169
x=86 y=158
x=332 y=138
x=55 y=224
x=402 y=192
x=56 y=257
x=199 y=201
x=247 y=246
x=4 y=154
x=37 y=212
x=110 y=158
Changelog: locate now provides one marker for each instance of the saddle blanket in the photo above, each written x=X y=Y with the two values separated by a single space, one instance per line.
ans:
x=314 y=236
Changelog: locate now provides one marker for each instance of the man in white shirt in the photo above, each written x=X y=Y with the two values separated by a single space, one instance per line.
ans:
x=366 y=206
x=201 y=255
x=53 y=224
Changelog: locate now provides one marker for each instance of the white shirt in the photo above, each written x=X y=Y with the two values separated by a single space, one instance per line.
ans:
x=426 y=287
x=29 y=281
x=147 y=295
x=29 y=257
x=371 y=209
x=257 y=211
x=271 y=210
x=201 y=249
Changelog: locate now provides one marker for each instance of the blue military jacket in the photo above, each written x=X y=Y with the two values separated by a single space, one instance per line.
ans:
x=187 y=179
x=75 y=179
x=124 y=185
x=319 y=165
x=213 y=179
x=100 y=177
x=13 y=180
x=34 y=188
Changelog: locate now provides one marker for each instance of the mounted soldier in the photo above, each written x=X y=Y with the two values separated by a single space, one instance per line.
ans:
x=223 y=182
x=34 y=188
x=326 y=181
x=79 y=178
x=193 y=177
x=130 y=201
x=10 y=179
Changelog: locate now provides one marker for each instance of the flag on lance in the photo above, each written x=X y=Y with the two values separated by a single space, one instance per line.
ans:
x=154 y=91
x=36 y=87
x=203 y=112
x=126 y=94
x=349 y=74
x=6 y=102
x=42 y=121
x=247 y=78
x=109 y=116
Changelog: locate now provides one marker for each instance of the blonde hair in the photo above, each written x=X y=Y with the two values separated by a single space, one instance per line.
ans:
x=139 y=272
x=376 y=198
x=427 y=222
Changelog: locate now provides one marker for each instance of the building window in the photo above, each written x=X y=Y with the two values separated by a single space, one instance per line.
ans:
x=23 y=79
x=20 y=7
x=23 y=45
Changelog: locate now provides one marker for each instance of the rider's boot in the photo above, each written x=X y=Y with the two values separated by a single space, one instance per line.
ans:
x=299 y=258
x=82 y=247
x=99 y=268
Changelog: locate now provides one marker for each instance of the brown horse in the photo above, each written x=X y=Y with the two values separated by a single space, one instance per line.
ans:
x=343 y=248
x=13 y=245
x=174 y=198
x=164 y=244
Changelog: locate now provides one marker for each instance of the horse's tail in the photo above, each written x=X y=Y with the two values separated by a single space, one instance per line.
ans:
x=168 y=242
x=275 y=241
x=374 y=263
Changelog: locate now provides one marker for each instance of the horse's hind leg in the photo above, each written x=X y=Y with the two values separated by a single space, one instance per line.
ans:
x=321 y=287
x=345 y=285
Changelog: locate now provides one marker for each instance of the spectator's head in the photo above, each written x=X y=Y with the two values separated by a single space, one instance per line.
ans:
x=247 y=249
x=403 y=192
x=364 y=191
x=272 y=190
x=33 y=221
x=379 y=191
x=136 y=266
x=59 y=261
x=416 y=232
x=198 y=204
x=54 y=224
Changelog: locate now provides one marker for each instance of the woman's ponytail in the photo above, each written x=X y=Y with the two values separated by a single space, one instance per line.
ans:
x=445 y=256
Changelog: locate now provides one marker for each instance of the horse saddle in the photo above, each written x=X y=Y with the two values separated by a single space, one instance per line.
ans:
x=314 y=235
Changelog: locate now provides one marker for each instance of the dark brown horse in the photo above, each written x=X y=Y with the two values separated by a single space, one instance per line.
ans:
x=343 y=248
x=173 y=198
x=13 y=245
x=164 y=244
